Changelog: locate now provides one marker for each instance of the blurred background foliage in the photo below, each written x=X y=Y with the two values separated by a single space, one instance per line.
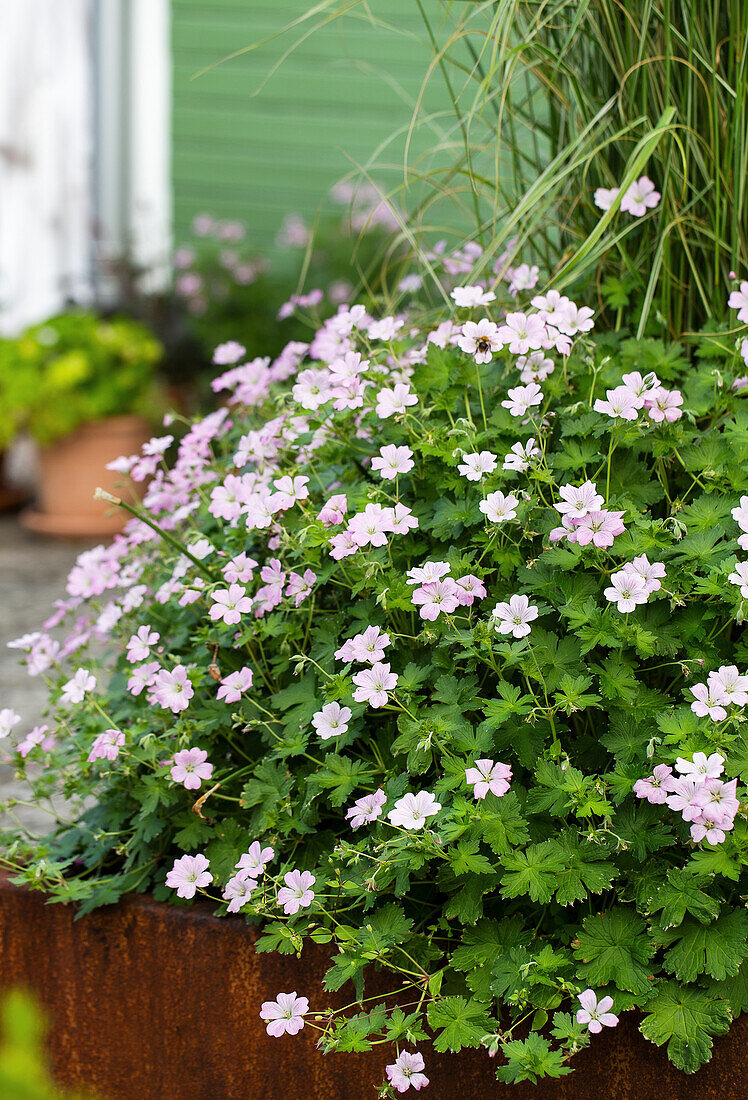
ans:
x=73 y=369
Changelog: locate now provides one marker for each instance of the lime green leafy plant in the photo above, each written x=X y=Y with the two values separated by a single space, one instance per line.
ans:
x=74 y=369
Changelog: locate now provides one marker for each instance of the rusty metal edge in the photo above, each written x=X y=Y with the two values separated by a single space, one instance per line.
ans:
x=150 y=1001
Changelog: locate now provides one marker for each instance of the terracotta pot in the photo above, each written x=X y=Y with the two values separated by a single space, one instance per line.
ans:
x=149 y=1001
x=70 y=471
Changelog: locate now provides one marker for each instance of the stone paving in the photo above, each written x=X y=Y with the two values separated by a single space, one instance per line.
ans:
x=32 y=576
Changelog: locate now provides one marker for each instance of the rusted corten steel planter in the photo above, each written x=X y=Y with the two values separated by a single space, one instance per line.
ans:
x=152 y=1002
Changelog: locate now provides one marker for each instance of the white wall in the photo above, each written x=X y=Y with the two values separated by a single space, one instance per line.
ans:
x=46 y=157
x=84 y=151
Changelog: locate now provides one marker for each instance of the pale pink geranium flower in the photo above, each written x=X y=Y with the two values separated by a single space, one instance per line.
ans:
x=703 y=829
x=253 y=862
x=728 y=682
x=172 y=690
x=240 y=570
x=521 y=455
x=39 y=735
x=480 y=339
x=190 y=768
x=333 y=511
x=106 y=746
x=664 y=404
x=498 y=508
x=599 y=528
x=626 y=591
x=332 y=721
x=238 y=892
x=189 y=873
x=367 y=647
x=385 y=328
x=521 y=399
x=228 y=353
x=522 y=277
x=343 y=545
x=407 y=1072
x=709 y=701
x=401 y=520
x=701 y=767
x=229 y=604
x=474 y=466
x=139 y=646
x=689 y=796
x=488 y=775
x=466 y=297
x=285 y=1015
x=470 y=589
x=739 y=577
x=514 y=617
x=367 y=809
x=392 y=461
x=372 y=685
x=606 y=196
x=412 y=810
x=234 y=685
x=8 y=719
x=640 y=385
x=435 y=598
x=620 y=403
x=575 y=319
x=656 y=787
x=650 y=573
x=313 y=388
x=74 y=691
x=639 y=197
x=300 y=586
x=297 y=892
x=143 y=677
x=535 y=367
x=739 y=300
x=721 y=803
x=288 y=491
x=740 y=515
x=391 y=401
x=577 y=501
x=595 y=1014
x=523 y=332
x=428 y=572
x=370 y=527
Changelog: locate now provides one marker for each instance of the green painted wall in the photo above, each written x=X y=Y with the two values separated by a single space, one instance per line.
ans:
x=329 y=104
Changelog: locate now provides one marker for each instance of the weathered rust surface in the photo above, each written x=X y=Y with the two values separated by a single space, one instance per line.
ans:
x=152 y=1002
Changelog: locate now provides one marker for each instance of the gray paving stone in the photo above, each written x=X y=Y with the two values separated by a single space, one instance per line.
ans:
x=32 y=576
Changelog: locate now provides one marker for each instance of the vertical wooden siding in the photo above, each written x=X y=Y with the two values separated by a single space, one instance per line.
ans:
x=328 y=106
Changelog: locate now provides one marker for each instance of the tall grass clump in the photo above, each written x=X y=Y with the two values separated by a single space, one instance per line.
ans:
x=544 y=102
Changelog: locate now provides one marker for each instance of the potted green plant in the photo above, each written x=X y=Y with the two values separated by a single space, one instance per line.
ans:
x=85 y=390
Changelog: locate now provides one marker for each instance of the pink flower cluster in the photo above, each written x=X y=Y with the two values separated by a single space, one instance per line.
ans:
x=371 y=527
x=249 y=869
x=725 y=687
x=438 y=593
x=697 y=792
x=584 y=520
x=639 y=392
x=555 y=324
x=634 y=583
